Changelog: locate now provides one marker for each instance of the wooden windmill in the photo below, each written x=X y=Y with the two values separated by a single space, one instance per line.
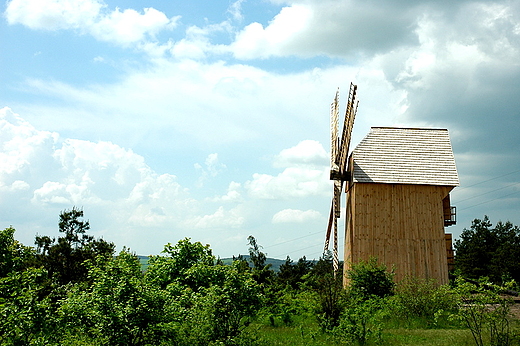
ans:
x=338 y=164
x=398 y=183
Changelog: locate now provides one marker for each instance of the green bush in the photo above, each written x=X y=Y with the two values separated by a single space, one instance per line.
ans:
x=362 y=320
x=328 y=287
x=367 y=279
x=484 y=312
x=418 y=298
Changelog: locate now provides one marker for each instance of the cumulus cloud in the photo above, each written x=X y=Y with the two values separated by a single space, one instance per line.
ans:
x=41 y=171
x=211 y=168
x=53 y=14
x=90 y=17
x=295 y=215
x=235 y=9
x=306 y=174
x=233 y=194
x=221 y=218
x=22 y=148
x=255 y=41
x=417 y=63
x=463 y=73
x=124 y=197
x=130 y=26
x=337 y=28
x=307 y=152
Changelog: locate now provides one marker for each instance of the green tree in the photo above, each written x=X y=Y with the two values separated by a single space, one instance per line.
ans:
x=209 y=301
x=25 y=307
x=293 y=274
x=118 y=307
x=14 y=256
x=484 y=312
x=362 y=320
x=64 y=257
x=368 y=279
x=220 y=311
x=329 y=291
x=262 y=272
x=179 y=259
x=484 y=250
x=6 y=251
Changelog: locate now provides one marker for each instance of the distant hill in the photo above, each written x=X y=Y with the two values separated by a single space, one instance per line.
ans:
x=274 y=262
x=144 y=262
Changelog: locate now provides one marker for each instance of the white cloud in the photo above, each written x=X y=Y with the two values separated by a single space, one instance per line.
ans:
x=186 y=101
x=53 y=14
x=22 y=147
x=41 y=172
x=124 y=197
x=233 y=194
x=65 y=195
x=307 y=152
x=130 y=26
x=255 y=41
x=212 y=167
x=295 y=215
x=235 y=9
x=305 y=174
x=17 y=185
x=88 y=16
x=197 y=44
x=328 y=27
x=221 y=218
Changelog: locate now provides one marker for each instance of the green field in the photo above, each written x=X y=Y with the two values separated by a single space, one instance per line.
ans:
x=309 y=336
x=308 y=333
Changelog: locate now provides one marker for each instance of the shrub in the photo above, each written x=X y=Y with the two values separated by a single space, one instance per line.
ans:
x=423 y=298
x=329 y=291
x=367 y=279
x=484 y=311
x=361 y=321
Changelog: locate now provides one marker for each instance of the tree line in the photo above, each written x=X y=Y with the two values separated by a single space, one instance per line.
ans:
x=75 y=290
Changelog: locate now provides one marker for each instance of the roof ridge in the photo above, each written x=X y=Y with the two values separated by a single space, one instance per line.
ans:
x=420 y=157
x=409 y=128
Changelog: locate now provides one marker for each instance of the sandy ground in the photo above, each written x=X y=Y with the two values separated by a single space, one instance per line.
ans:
x=515 y=308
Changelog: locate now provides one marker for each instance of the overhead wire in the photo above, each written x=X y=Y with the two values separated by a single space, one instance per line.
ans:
x=291 y=240
x=305 y=248
x=490 y=179
x=491 y=200
x=482 y=194
x=300 y=249
x=488 y=192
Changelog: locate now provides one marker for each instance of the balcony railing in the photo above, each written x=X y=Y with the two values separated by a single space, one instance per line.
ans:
x=451 y=217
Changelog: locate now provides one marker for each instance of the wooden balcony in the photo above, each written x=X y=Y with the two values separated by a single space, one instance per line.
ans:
x=450 y=212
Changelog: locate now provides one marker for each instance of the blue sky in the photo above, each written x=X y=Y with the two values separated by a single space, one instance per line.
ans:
x=210 y=120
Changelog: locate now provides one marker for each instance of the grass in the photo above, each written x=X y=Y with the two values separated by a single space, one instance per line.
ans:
x=312 y=336
x=307 y=332
x=428 y=337
x=293 y=336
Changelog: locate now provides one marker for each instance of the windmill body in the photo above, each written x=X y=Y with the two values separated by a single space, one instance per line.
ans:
x=397 y=183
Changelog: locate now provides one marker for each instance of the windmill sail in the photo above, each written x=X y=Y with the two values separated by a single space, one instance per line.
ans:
x=350 y=115
x=334 y=123
x=338 y=164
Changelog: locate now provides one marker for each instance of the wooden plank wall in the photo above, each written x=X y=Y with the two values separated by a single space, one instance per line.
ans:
x=401 y=225
x=449 y=252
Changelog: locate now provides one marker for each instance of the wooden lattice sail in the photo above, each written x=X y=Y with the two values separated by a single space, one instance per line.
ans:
x=338 y=164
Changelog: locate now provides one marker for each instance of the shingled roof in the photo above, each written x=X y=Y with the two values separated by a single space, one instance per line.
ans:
x=405 y=156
